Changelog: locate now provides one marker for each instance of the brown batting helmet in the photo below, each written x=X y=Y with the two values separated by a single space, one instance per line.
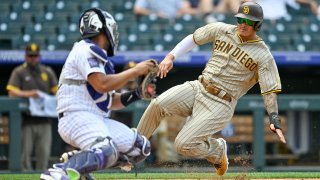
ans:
x=252 y=11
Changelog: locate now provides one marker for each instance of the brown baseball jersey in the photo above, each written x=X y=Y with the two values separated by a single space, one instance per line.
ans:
x=234 y=67
x=41 y=77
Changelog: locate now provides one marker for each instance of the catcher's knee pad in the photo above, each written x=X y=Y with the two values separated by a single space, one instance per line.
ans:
x=94 y=159
x=67 y=155
x=141 y=148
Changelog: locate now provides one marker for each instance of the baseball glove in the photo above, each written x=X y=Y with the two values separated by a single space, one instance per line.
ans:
x=146 y=83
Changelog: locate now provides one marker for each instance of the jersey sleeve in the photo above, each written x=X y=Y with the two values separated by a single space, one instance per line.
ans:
x=208 y=33
x=14 y=81
x=87 y=64
x=52 y=80
x=269 y=79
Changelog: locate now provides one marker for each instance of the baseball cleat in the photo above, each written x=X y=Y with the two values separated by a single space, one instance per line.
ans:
x=57 y=173
x=73 y=174
x=54 y=174
x=222 y=167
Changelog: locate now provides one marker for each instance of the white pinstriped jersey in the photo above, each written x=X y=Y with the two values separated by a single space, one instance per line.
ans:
x=236 y=66
x=79 y=64
x=84 y=119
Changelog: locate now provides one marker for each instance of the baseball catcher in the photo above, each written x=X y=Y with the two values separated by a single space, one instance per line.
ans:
x=89 y=78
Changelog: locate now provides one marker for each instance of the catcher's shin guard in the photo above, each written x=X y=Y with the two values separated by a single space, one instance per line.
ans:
x=142 y=145
x=67 y=155
x=94 y=159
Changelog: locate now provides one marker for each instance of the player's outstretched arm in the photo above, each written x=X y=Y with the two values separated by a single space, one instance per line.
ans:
x=270 y=101
x=181 y=48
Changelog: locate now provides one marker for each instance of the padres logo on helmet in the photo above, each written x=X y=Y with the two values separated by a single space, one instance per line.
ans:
x=246 y=10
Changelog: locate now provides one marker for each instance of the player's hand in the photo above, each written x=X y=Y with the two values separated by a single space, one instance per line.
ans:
x=278 y=132
x=165 y=66
x=144 y=67
x=33 y=93
x=275 y=125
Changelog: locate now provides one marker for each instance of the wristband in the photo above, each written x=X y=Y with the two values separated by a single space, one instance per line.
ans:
x=275 y=120
x=129 y=97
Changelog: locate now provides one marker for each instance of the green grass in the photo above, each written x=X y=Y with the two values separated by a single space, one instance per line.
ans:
x=239 y=176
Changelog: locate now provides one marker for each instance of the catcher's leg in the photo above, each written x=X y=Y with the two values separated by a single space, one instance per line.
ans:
x=138 y=152
x=103 y=154
x=97 y=158
x=140 y=149
x=67 y=155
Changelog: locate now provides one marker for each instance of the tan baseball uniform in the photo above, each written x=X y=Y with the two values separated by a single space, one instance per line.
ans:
x=234 y=68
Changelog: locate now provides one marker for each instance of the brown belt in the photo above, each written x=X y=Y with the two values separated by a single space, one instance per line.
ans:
x=214 y=90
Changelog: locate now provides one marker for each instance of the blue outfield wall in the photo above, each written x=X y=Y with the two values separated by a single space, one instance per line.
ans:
x=193 y=59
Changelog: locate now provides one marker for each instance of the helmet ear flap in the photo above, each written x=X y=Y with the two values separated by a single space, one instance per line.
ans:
x=257 y=26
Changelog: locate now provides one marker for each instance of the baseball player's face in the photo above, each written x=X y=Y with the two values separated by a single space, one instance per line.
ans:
x=102 y=41
x=32 y=59
x=105 y=42
x=245 y=28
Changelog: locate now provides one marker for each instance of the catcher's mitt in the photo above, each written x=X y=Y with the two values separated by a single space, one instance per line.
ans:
x=146 y=83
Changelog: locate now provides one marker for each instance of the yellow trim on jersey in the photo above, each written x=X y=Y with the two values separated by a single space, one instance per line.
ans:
x=54 y=89
x=11 y=87
x=249 y=41
x=253 y=41
x=195 y=40
x=239 y=37
x=273 y=91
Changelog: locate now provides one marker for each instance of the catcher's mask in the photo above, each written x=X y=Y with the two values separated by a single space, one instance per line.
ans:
x=93 y=21
x=251 y=11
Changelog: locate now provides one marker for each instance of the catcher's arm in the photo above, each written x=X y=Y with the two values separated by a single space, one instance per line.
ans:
x=145 y=90
x=270 y=101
